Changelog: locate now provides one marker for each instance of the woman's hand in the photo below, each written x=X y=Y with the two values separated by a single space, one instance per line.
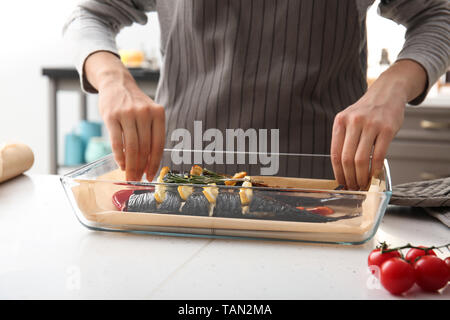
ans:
x=136 y=128
x=363 y=131
x=136 y=124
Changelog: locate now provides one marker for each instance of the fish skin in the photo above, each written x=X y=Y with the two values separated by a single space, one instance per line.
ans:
x=196 y=205
x=141 y=202
x=301 y=201
x=265 y=207
x=227 y=205
x=171 y=203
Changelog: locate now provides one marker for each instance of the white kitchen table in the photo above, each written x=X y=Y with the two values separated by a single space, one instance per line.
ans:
x=45 y=253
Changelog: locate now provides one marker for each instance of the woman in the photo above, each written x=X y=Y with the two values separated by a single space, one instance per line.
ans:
x=295 y=66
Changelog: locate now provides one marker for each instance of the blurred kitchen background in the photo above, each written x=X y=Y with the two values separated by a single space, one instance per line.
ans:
x=31 y=33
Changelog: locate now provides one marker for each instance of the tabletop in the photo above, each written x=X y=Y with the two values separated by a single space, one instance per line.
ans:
x=46 y=253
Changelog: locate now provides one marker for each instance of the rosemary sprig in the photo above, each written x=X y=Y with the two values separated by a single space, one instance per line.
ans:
x=207 y=177
x=213 y=174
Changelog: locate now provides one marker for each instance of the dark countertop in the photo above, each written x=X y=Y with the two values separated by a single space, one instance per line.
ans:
x=69 y=73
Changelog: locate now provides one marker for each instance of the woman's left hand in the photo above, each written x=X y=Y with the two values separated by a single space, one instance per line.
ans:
x=363 y=131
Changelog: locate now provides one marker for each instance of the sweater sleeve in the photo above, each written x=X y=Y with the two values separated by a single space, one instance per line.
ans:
x=427 y=39
x=93 y=27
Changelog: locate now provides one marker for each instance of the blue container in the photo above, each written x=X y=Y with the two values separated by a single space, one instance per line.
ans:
x=74 y=150
x=88 y=130
x=96 y=149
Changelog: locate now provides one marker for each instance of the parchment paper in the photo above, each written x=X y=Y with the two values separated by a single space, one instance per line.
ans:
x=94 y=200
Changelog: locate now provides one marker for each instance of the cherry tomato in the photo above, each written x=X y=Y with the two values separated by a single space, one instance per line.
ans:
x=397 y=275
x=414 y=253
x=376 y=258
x=447 y=262
x=431 y=272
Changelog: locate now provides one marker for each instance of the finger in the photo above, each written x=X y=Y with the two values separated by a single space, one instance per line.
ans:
x=362 y=157
x=351 y=141
x=337 y=142
x=380 y=149
x=131 y=148
x=143 y=130
x=157 y=143
x=116 y=138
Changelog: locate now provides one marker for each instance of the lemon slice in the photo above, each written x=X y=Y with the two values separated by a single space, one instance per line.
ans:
x=160 y=190
x=162 y=173
x=160 y=195
x=238 y=175
x=209 y=196
x=185 y=191
x=244 y=198
x=211 y=193
x=246 y=194
x=196 y=170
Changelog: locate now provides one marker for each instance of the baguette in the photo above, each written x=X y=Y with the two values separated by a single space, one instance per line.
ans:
x=15 y=159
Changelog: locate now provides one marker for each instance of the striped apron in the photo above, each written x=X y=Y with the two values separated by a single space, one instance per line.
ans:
x=265 y=64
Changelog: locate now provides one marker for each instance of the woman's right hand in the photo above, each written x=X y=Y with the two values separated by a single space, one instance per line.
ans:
x=136 y=124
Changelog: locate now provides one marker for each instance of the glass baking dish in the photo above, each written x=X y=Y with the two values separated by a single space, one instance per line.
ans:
x=282 y=196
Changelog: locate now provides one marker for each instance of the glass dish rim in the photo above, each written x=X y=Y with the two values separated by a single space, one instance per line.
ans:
x=73 y=175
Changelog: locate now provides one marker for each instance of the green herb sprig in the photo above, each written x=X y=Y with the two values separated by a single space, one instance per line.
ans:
x=207 y=177
x=384 y=247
